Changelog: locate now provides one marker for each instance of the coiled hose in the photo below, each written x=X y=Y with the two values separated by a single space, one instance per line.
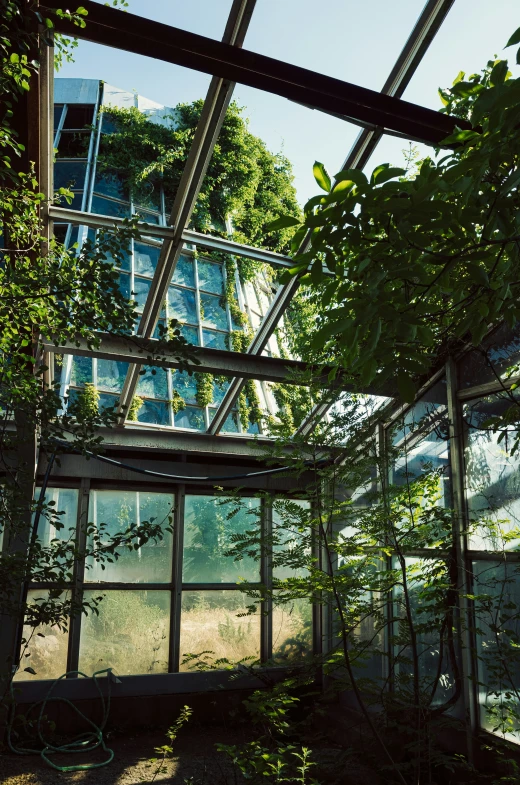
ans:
x=84 y=742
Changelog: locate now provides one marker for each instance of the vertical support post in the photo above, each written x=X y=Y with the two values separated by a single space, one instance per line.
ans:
x=176 y=597
x=78 y=575
x=464 y=621
x=321 y=614
x=266 y=577
x=381 y=483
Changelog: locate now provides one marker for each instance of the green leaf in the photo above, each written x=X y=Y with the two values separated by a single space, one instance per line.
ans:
x=460 y=76
x=515 y=39
x=386 y=172
x=406 y=387
x=499 y=73
x=283 y=222
x=321 y=176
x=352 y=174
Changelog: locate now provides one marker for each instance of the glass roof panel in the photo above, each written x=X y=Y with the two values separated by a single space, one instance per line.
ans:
x=487 y=28
x=356 y=42
x=204 y=17
x=139 y=81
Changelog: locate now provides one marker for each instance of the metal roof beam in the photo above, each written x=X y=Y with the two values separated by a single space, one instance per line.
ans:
x=149 y=351
x=122 y=30
x=207 y=241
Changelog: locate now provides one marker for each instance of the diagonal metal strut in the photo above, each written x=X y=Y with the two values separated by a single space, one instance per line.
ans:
x=210 y=122
x=427 y=25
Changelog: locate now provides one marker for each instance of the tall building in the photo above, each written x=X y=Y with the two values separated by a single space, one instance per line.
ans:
x=195 y=296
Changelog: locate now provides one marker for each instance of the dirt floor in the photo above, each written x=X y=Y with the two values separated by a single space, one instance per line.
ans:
x=194 y=757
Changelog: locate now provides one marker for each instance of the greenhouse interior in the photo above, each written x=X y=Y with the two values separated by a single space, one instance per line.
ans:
x=259 y=454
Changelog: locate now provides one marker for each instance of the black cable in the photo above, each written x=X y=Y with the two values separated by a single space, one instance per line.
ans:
x=184 y=478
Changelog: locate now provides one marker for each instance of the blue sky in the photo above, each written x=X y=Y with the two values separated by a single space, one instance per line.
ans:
x=354 y=41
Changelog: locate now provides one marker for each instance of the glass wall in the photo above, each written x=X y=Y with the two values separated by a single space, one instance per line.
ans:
x=128 y=589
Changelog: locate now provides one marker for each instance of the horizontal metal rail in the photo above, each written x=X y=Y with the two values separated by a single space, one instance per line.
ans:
x=149 y=351
x=131 y=33
x=210 y=242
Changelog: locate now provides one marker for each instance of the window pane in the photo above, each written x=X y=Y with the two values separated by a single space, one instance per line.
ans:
x=81 y=371
x=215 y=340
x=213 y=312
x=69 y=174
x=503 y=353
x=73 y=144
x=60 y=526
x=48 y=654
x=111 y=183
x=181 y=303
x=292 y=631
x=208 y=535
x=290 y=537
x=423 y=577
x=185 y=385
x=153 y=383
x=497 y=610
x=210 y=276
x=140 y=292
x=184 y=273
x=130 y=634
x=145 y=258
x=191 y=334
x=103 y=206
x=210 y=622
x=79 y=115
x=492 y=478
x=111 y=375
x=154 y=412
x=190 y=417
x=107 y=401
x=112 y=513
x=150 y=218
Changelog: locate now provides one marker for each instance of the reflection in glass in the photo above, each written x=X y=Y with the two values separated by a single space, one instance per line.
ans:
x=81 y=371
x=210 y=622
x=130 y=634
x=497 y=609
x=46 y=645
x=110 y=182
x=184 y=273
x=210 y=276
x=73 y=144
x=140 y=292
x=213 y=311
x=181 y=303
x=145 y=258
x=208 y=535
x=154 y=412
x=112 y=513
x=292 y=631
x=60 y=522
x=185 y=384
x=427 y=623
x=191 y=334
x=79 y=116
x=492 y=477
x=103 y=206
x=111 y=375
x=190 y=417
x=153 y=383
x=214 y=340
x=69 y=174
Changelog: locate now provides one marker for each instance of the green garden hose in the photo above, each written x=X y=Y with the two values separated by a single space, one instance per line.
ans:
x=85 y=742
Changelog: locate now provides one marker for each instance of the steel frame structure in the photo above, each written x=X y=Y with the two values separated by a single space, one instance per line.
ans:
x=377 y=113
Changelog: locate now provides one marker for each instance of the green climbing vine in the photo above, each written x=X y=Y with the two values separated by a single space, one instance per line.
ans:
x=204 y=384
x=133 y=409
x=87 y=402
